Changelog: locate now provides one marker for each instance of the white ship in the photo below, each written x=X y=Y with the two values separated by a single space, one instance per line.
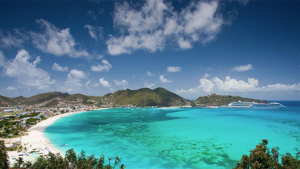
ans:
x=272 y=105
x=240 y=104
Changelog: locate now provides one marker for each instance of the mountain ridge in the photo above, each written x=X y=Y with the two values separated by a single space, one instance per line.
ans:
x=141 y=97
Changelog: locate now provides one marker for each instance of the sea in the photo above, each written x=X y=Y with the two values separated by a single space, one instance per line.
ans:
x=177 y=138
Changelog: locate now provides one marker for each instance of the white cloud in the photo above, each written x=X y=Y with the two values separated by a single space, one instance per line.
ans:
x=15 y=38
x=55 y=41
x=92 y=14
x=87 y=84
x=122 y=83
x=27 y=73
x=104 y=82
x=149 y=85
x=227 y=86
x=2 y=58
x=104 y=66
x=242 y=68
x=11 y=88
x=206 y=75
x=78 y=74
x=173 y=69
x=93 y=31
x=73 y=82
x=100 y=57
x=57 y=67
x=164 y=80
x=184 y=44
x=156 y=23
x=150 y=74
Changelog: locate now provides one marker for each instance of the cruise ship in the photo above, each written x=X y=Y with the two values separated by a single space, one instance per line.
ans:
x=240 y=104
x=272 y=105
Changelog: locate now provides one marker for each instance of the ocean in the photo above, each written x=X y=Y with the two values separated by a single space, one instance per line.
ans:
x=177 y=138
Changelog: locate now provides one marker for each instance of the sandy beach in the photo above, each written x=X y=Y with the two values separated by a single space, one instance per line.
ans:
x=35 y=136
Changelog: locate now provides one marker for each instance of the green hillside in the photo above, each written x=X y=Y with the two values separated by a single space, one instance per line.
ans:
x=6 y=101
x=223 y=100
x=146 y=97
x=45 y=97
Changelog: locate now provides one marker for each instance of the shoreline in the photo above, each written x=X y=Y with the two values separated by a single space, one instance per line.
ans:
x=35 y=136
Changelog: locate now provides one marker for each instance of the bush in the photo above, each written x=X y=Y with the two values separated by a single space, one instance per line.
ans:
x=262 y=157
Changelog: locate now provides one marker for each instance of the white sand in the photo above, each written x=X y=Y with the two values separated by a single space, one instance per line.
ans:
x=35 y=137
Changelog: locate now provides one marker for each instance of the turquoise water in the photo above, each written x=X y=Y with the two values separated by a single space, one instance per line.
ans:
x=177 y=138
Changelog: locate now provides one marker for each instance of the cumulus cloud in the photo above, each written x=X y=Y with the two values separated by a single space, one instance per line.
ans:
x=206 y=75
x=55 y=41
x=104 y=66
x=27 y=73
x=74 y=79
x=11 y=88
x=122 y=83
x=150 y=74
x=149 y=85
x=173 y=69
x=229 y=85
x=57 y=67
x=104 y=82
x=95 y=32
x=164 y=80
x=155 y=23
x=242 y=68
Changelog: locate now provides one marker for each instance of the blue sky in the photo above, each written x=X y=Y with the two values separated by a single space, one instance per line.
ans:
x=192 y=48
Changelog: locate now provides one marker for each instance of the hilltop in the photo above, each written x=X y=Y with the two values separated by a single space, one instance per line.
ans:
x=222 y=100
x=145 y=97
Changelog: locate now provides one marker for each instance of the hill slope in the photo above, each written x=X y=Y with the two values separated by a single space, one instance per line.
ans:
x=222 y=100
x=6 y=101
x=45 y=97
x=145 y=97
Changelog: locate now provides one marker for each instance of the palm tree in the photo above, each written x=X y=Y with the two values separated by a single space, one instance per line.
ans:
x=117 y=161
x=20 y=162
x=27 y=164
x=109 y=158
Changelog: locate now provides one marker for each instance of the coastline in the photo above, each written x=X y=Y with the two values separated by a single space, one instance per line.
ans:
x=35 y=136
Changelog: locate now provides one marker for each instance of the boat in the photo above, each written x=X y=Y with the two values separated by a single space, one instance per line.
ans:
x=272 y=105
x=64 y=145
x=240 y=104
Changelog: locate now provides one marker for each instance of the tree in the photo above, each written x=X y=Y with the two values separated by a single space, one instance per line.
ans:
x=262 y=157
x=3 y=156
x=19 y=163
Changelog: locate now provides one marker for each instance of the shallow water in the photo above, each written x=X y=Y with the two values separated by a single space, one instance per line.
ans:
x=177 y=138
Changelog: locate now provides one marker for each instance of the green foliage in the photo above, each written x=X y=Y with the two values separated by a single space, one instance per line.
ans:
x=29 y=115
x=4 y=164
x=31 y=121
x=220 y=100
x=262 y=157
x=72 y=161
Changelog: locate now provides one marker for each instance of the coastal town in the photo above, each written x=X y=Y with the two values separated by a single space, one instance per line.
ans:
x=20 y=127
